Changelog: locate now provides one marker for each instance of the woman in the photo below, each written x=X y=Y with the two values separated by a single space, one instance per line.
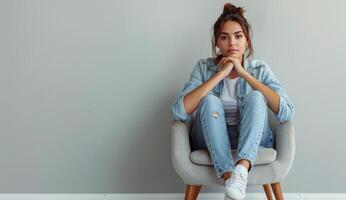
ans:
x=231 y=93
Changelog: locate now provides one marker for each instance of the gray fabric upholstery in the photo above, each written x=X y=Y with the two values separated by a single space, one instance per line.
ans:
x=272 y=171
x=264 y=156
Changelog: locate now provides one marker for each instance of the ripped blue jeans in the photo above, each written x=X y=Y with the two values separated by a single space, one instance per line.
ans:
x=210 y=131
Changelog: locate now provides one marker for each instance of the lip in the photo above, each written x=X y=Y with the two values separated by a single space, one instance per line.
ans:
x=232 y=51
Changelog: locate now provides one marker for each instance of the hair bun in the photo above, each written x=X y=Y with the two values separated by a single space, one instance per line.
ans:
x=229 y=8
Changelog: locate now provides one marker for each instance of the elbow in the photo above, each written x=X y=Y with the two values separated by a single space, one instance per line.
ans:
x=286 y=111
x=178 y=111
x=286 y=115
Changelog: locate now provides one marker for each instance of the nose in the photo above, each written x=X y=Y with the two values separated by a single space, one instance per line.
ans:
x=232 y=41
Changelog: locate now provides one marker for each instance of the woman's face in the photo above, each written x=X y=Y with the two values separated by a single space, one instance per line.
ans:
x=232 y=40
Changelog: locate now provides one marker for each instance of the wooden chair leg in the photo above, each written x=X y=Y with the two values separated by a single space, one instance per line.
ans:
x=268 y=191
x=192 y=191
x=277 y=191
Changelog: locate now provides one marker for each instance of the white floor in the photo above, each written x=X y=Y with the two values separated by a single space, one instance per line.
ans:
x=166 y=196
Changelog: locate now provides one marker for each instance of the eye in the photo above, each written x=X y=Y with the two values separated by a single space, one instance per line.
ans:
x=223 y=37
x=238 y=36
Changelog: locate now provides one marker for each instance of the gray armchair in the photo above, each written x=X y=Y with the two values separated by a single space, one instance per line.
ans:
x=196 y=168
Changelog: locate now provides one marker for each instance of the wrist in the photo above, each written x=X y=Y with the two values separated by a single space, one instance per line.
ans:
x=221 y=74
x=243 y=73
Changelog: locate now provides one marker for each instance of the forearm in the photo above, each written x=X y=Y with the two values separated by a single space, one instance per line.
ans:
x=273 y=99
x=192 y=99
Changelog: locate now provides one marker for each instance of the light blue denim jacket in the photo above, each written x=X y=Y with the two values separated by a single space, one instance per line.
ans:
x=205 y=68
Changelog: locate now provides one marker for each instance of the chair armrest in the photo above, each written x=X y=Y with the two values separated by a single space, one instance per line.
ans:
x=191 y=173
x=285 y=141
x=285 y=147
x=180 y=142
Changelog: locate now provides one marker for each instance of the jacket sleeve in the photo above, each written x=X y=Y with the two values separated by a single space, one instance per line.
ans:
x=286 y=110
x=177 y=108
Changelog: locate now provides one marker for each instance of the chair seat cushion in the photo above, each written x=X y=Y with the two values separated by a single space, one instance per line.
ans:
x=264 y=156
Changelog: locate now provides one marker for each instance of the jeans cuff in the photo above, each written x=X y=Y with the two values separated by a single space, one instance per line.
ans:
x=222 y=171
x=248 y=158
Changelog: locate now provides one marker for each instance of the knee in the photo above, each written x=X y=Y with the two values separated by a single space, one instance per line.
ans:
x=210 y=100
x=256 y=97
x=209 y=103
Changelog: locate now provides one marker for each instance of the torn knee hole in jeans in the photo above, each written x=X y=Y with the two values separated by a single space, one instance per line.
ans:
x=215 y=114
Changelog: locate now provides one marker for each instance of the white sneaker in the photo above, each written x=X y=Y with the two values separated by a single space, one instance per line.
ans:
x=236 y=185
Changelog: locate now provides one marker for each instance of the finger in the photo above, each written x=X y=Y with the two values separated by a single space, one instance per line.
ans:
x=220 y=64
x=228 y=61
x=221 y=61
x=224 y=62
x=229 y=58
x=233 y=59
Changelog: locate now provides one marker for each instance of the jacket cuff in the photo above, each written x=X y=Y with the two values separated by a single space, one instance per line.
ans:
x=284 y=114
x=184 y=116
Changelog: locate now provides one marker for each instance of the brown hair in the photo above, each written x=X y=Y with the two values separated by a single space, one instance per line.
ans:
x=232 y=13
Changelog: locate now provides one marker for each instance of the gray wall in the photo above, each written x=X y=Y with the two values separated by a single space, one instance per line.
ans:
x=86 y=88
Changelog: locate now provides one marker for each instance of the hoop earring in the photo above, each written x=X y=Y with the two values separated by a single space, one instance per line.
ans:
x=217 y=50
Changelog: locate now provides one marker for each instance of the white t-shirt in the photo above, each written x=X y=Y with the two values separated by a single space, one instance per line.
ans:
x=230 y=101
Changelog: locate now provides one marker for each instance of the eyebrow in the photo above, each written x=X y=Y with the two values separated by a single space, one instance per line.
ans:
x=228 y=33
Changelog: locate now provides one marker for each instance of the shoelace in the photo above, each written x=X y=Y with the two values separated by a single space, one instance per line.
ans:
x=238 y=181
